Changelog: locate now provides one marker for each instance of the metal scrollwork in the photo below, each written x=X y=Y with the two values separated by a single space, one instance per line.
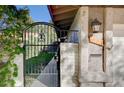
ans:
x=41 y=36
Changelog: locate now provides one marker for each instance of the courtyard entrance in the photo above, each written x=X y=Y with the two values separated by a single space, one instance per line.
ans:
x=41 y=56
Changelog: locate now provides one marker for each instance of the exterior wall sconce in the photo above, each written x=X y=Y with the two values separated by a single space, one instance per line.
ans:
x=95 y=28
x=95 y=25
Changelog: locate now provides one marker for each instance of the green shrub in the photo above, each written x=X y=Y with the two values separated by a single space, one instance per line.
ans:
x=34 y=64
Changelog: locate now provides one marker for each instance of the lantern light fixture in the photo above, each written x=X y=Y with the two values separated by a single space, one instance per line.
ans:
x=96 y=25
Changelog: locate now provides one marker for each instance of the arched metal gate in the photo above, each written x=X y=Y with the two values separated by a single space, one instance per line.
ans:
x=41 y=57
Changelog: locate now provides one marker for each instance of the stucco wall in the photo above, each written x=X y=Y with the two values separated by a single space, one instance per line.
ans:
x=115 y=61
x=69 y=64
x=80 y=23
x=118 y=54
x=20 y=79
x=87 y=67
x=118 y=48
x=118 y=16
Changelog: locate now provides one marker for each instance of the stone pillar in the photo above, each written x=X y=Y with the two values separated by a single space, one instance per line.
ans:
x=83 y=39
x=20 y=79
x=82 y=74
x=80 y=23
x=83 y=42
x=68 y=64
x=108 y=34
x=89 y=76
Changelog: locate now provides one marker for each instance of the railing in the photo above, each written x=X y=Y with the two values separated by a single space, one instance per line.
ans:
x=69 y=36
x=41 y=45
x=50 y=74
x=48 y=77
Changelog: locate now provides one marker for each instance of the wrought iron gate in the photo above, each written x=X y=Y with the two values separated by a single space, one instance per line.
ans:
x=41 y=58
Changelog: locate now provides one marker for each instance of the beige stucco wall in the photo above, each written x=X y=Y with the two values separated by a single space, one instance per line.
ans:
x=114 y=28
x=118 y=47
x=79 y=24
x=69 y=64
x=20 y=79
x=118 y=53
x=118 y=16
